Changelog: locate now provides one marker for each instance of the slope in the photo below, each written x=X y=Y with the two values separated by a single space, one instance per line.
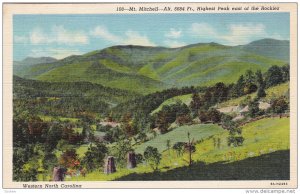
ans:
x=150 y=69
x=266 y=148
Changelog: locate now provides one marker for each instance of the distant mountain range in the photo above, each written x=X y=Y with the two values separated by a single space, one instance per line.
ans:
x=149 y=69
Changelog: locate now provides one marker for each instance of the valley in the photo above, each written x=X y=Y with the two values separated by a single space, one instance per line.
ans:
x=200 y=112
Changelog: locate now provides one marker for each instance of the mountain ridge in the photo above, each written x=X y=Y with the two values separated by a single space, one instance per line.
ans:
x=149 y=69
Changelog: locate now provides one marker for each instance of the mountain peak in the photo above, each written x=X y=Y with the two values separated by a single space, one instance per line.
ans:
x=36 y=60
x=269 y=41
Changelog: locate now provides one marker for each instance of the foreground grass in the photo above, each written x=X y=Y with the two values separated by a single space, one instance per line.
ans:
x=272 y=166
x=265 y=150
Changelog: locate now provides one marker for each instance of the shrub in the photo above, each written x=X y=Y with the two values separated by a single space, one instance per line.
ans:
x=153 y=157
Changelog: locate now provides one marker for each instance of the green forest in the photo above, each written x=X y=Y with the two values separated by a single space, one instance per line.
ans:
x=199 y=112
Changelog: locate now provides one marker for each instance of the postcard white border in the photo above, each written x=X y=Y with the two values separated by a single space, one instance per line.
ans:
x=109 y=8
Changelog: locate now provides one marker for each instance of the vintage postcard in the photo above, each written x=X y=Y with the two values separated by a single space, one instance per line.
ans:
x=150 y=95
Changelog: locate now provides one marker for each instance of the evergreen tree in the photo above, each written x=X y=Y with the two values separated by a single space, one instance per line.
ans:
x=261 y=92
x=274 y=76
x=253 y=108
x=239 y=87
x=285 y=72
x=259 y=78
x=195 y=104
x=249 y=77
x=261 y=84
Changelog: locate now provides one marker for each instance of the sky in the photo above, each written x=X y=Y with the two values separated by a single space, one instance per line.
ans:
x=60 y=36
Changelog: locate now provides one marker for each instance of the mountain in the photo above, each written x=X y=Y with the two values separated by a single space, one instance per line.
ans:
x=67 y=99
x=149 y=69
x=20 y=66
x=278 y=49
x=33 y=61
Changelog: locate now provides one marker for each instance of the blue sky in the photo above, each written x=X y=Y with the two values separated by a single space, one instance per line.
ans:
x=62 y=35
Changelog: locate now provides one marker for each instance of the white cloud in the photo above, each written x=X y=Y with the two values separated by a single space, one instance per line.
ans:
x=134 y=38
x=59 y=35
x=174 y=43
x=202 y=30
x=235 y=34
x=58 y=53
x=130 y=37
x=102 y=32
x=277 y=36
x=244 y=33
x=173 y=33
x=20 y=39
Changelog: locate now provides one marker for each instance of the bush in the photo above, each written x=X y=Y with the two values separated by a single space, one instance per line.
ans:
x=69 y=159
x=214 y=115
x=94 y=157
x=153 y=157
x=279 y=105
x=235 y=141
x=184 y=119
x=179 y=148
x=139 y=158
x=203 y=116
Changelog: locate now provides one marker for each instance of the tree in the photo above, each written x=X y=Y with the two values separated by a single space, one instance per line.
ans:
x=219 y=92
x=139 y=158
x=279 y=105
x=179 y=148
x=261 y=92
x=253 y=108
x=86 y=131
x=214 y=115
x=250 y=88
x=274 y=76
x=182 y=113
x=195 y=104
x=207 y=98
x=53 y=135
x=191 y=148
x=69 y=159
x=142 y=137
x=203 y=116
x=168 y=145
x=261 y=84
x=169 y=113
x=114 y=134
x=152 y=156
x=249 y=77
x=94 y=157
x=49 y=162
x=162 y=121
x=259 y=78
x=285 y=72
x=21 y=156
x=226 y=121
x=238 y=88
x=183 y=119
x=235 y=137
x=127 y=125
x=120 y=150
x=249 y=85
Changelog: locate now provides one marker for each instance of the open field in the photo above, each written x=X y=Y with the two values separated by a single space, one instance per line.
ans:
x=266 y=149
